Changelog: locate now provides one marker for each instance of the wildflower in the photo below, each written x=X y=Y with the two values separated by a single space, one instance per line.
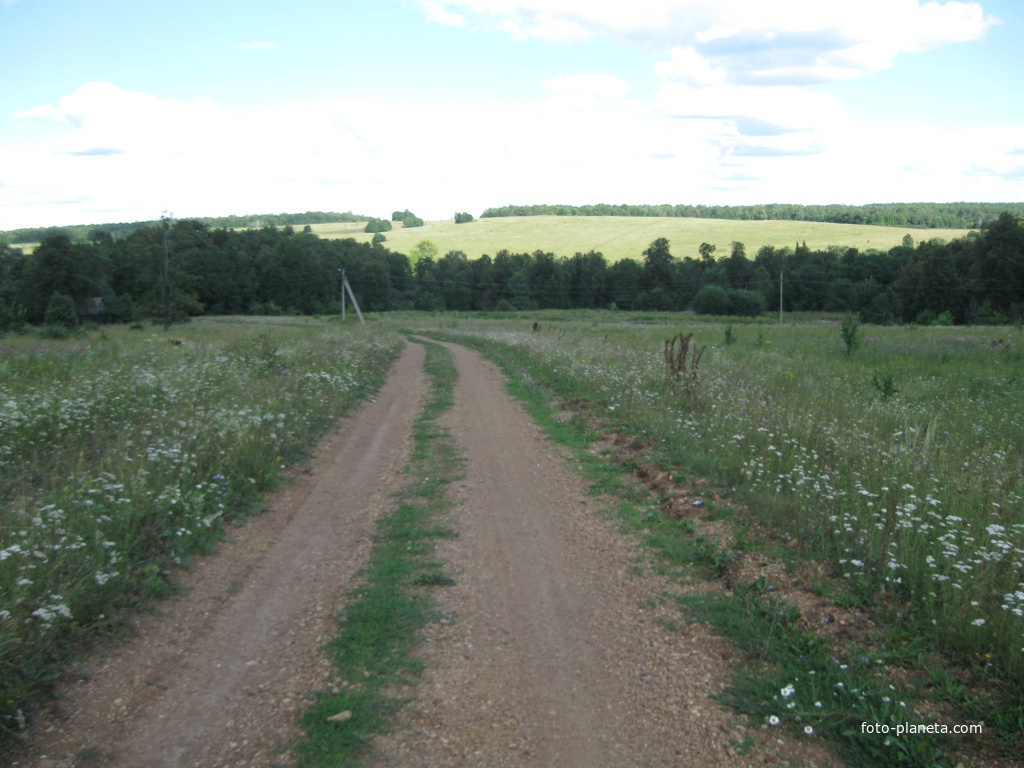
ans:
x=773 y=720
x=978 y=622
x=808 y=730
x=788 y=691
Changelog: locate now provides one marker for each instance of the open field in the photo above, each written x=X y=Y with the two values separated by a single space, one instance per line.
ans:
x=619 y=237
x=852 y=523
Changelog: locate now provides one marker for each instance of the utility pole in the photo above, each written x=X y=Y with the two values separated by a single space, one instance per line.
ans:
x=346 y=287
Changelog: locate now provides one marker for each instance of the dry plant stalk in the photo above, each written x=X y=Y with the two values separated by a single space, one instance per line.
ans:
x=677 y=351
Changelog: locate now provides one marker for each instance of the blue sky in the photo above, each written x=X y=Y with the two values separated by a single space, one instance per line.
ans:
x=114 y=111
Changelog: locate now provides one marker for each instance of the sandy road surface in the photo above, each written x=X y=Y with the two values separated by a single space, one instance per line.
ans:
x=557 y=655
x=216 y=677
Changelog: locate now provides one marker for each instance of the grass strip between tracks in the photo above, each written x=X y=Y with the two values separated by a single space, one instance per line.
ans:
x=379 y=629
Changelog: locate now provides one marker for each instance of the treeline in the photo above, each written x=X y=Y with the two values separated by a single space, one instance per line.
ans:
x=123 y=229
x=186 y=268
x=917 y=215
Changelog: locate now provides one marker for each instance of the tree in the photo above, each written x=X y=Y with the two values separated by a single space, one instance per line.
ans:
x=463 y=218
x=737 y=266
x=713 y=300
x=707 y=254
x=424 y=249
x=658 y=270
x=60 y=312
x=378 y=225
x=412 y=221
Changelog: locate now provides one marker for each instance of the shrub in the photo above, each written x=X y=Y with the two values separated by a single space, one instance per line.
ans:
x=60 y=312
x=849 y=330
x=712 y=300
x=749 y=303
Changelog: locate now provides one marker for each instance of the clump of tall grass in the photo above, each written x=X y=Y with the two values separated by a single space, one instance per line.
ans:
x=121 y=457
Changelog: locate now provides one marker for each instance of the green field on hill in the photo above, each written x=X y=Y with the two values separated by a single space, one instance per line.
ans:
x=619 y=237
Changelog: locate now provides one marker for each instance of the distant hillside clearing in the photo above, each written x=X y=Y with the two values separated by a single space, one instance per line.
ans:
x=619 y=237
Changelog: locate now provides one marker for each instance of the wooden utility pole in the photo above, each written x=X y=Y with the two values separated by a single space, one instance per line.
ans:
x=346 y=287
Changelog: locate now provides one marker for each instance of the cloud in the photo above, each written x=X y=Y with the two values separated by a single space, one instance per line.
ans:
x=761 y=150
x=750 y=41
x=598 y=85
x=97 y=152
x=437 y=13
x=43 y=110
x=127 y=155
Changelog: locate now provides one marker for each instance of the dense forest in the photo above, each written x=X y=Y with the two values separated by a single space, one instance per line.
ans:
x=918 y=215
x=186 y=268
x=122 y=229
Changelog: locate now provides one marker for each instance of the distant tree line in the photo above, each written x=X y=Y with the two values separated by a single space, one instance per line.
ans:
x=187 y=268
x=210 y=271
x=918 y=215
x=123 y=229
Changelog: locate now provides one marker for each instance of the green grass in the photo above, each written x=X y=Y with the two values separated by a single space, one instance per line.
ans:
x=619 y=237
x=373 y=652
x=122 y=456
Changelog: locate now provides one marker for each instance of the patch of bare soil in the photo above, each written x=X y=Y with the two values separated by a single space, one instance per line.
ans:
x=558 y=653
x=217 y=675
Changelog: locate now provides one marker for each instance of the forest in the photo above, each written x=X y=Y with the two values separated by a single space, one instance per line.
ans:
x=121 y=229
x=183 y=268
x=918 y=215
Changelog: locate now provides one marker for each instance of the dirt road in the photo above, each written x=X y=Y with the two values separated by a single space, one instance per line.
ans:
x=557 y=656
x=559 y=653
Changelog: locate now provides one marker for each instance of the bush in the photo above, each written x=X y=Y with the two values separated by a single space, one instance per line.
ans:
x=712 y=300
x=749 y=303
x=61 y=312
x=378 y=225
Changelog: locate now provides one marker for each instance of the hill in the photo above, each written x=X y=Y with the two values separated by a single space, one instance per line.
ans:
x=619 y=237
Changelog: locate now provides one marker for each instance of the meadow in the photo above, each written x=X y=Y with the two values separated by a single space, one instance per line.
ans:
x=620 y=237
x=124 y=454
x=897 y=465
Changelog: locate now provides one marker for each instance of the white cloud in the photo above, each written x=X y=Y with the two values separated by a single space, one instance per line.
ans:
x=437 y=13
x=784 y=41
x=598 y=85
x=43 y=110
x=112 y=154
x=688 y=67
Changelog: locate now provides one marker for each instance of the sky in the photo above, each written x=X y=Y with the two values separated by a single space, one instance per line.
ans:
x=121 y=110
